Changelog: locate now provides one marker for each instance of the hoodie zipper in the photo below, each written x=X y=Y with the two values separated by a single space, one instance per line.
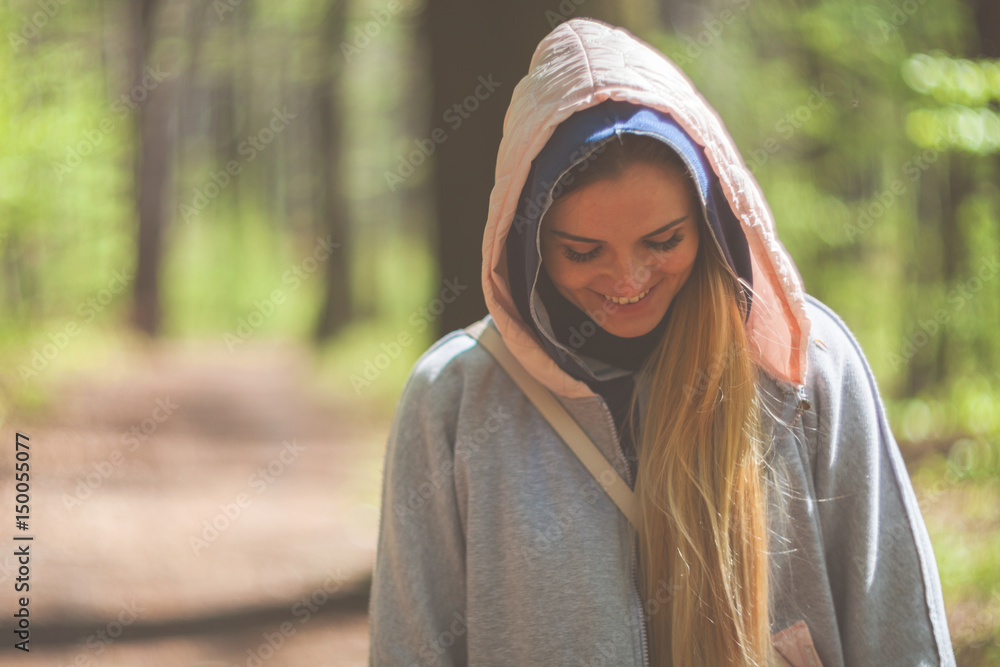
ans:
x=632 y=556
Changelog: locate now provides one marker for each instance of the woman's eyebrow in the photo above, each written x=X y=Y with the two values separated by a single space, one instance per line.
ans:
x=583 y=239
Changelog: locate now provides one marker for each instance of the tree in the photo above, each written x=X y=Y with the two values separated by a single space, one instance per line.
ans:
x=153 y=159
x=483 y=47
x=336 y=309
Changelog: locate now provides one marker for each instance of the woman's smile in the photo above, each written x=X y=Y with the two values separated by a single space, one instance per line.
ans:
x=624 y=300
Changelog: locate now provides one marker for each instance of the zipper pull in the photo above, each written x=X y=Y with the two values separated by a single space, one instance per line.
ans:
x=804 y=405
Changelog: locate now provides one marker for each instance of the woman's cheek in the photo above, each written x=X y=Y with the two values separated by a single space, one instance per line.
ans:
x=682 y=261
x=571 y=277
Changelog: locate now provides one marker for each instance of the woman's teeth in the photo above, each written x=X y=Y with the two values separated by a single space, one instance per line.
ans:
x=623 y=301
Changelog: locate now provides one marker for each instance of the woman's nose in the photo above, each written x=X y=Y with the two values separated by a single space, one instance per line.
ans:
x=630 y=273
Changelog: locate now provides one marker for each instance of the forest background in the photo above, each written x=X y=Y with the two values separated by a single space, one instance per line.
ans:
x=210 y=207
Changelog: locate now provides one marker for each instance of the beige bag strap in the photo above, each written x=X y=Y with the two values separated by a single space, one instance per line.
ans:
x=560 y=419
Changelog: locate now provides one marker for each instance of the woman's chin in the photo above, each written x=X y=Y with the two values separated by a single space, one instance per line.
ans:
x=628 y=329
x=629 y=333
x=633 y=325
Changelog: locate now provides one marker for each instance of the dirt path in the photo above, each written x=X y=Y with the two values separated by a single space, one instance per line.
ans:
x=196 y=507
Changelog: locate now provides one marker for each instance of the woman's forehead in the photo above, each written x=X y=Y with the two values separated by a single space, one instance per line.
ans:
x=642 y=194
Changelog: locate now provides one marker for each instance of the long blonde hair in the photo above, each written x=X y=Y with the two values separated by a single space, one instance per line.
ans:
x=701 y=483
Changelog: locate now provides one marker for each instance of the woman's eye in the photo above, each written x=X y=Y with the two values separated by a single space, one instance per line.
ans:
x=579 y=257
x=661 y=246
x=669 y=244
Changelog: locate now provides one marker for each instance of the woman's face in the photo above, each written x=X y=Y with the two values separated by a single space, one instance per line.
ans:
x=618 y=240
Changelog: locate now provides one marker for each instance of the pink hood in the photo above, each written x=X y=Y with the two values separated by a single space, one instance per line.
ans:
x=582 y=63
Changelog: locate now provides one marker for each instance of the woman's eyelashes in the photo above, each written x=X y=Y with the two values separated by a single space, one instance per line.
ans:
x=579 y=257
x=658 y=246
x=669 y=244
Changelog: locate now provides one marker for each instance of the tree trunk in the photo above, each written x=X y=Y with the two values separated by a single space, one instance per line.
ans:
x=472 y=42
x=153 y=166
x=337 y=307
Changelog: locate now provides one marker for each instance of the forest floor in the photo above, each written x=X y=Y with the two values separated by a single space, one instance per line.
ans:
x=196 y=507
x=192 y=506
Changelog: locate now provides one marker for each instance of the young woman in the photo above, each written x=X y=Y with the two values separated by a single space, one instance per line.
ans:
x=631 y=268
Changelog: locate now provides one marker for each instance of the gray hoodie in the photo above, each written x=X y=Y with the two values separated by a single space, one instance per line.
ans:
x=497 y=547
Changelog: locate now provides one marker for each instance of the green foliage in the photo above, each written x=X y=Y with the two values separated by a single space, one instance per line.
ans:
x=963 y=89
x=854 y=116
x=64 y=198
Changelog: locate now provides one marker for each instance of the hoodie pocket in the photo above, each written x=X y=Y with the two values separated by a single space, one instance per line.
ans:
x=794 y=647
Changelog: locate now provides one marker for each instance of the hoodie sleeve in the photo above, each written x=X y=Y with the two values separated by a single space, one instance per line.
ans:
x=417 y=603
x=883 y=577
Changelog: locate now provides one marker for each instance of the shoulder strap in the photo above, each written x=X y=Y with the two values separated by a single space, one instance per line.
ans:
x=560 y=419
